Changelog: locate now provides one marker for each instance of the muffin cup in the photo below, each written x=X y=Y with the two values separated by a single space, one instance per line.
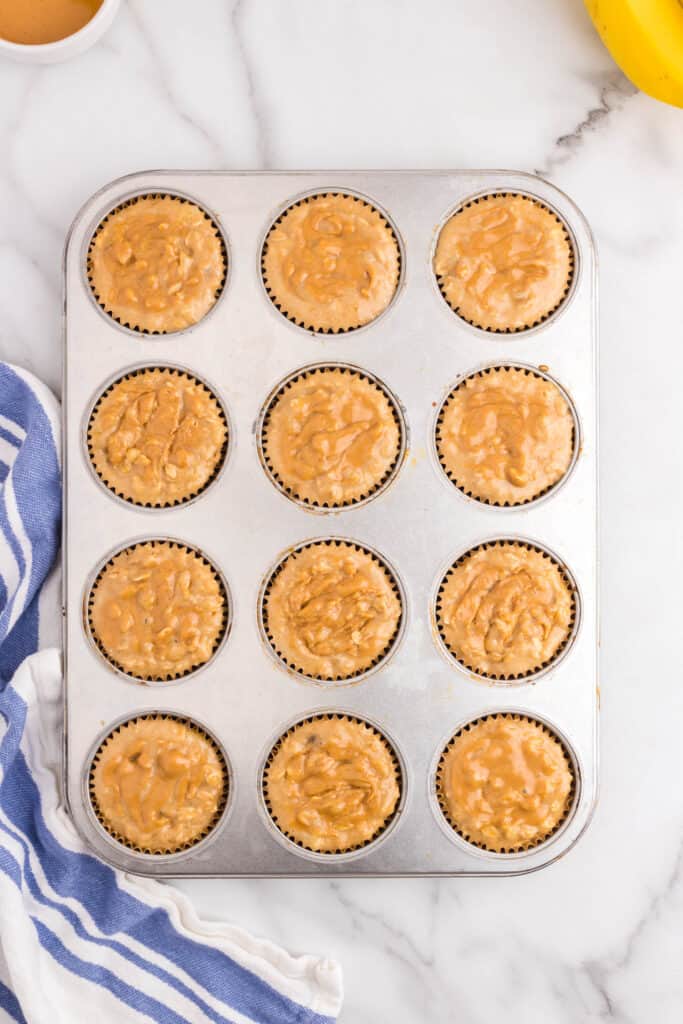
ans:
x=440 y=807
x=206 y=836
x=333 y=193
x=538 y=671
x=560 y=305
x=179 y=371
x=163 y=680
x=130 y=201
x=546 y=492
x=290 y=667
x=382 y=833
x=380 y=486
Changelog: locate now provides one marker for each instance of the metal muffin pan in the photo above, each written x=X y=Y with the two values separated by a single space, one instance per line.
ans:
x=243 y=349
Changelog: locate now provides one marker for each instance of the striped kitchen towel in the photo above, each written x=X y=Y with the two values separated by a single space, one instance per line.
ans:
x=78 y=940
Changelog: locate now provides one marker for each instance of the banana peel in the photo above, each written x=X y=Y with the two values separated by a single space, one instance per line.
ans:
x=645 y=38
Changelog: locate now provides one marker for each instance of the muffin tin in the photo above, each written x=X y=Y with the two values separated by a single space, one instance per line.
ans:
x=244 y=524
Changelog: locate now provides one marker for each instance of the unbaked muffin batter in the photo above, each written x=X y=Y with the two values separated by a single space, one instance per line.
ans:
x=331 y=263
x=158 y=783
x=332 y=610
x=332 y=784
x=157 y=264
x=505 y=783
x=505 y=610
x=157 y=437
x=157 y=610
x=506 y=435
x=504 y=262
x=331 y=437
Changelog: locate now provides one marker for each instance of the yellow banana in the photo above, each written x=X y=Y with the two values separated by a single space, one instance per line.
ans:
x=645 y=37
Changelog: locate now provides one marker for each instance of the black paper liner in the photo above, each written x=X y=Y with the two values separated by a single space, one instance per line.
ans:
x=330 y=194
x=570 y=279
x=467 y=491
x=392 y=470
x=329 y=716
x=130 y=202
x=537 y=669
x=381 y=657
x=522 y=847
x=168 y=677
x=220 y=810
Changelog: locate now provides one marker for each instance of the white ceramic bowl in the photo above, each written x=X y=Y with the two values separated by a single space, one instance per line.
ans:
x=63 y=49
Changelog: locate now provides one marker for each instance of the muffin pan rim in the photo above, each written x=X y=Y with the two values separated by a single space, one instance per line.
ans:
x=549 y=492
x=498 y=334
x=390 y=477
x=219 y=191
x=123 y=201
x=132 y=370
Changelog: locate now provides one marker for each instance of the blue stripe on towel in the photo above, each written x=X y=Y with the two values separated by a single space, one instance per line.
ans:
x=95 y=900
x=8 y=1003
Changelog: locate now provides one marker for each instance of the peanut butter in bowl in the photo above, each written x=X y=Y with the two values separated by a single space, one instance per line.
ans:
x=37 y=22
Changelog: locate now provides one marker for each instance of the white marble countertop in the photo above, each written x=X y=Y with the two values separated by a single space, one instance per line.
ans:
x=528 y=85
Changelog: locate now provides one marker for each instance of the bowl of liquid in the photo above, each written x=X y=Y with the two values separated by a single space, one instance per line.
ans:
x=47 y=31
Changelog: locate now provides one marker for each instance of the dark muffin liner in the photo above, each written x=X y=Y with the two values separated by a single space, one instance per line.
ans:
x=180 y=373
x=201 y=836
x=570 y=279
x=130 y=202
x=522 y=847
x=311 y=371
x=537 y=670
x=331 y=195
x=291 y=666
x=169 y=677
x=468 y=492
x=400 y=779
